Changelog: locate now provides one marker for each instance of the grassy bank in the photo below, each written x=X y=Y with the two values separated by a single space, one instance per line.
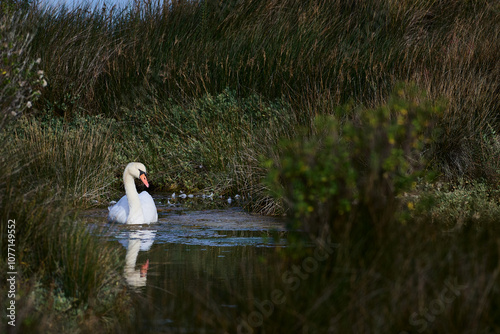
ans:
x=222 y=96
x=313 y=56
x=66 y=278
x=167 y=74
x=48 y=173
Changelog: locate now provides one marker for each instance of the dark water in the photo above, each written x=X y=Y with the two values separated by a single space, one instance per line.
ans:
x=191 y=264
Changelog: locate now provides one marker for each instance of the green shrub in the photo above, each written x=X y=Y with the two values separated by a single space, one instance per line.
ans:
x=352 y=167
x=472 y=204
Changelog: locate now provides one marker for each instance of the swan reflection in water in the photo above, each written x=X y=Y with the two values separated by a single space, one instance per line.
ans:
x=138 y=240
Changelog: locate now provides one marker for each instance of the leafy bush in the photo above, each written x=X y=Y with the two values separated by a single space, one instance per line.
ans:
x=471 y=204
x=351 y=168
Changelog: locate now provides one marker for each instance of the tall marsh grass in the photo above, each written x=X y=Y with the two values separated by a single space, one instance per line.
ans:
x=314 y=55
x=48 y=171
x=76 y=160
x=63 y=270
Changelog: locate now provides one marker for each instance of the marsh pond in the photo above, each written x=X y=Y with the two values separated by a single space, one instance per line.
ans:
x=192 y=264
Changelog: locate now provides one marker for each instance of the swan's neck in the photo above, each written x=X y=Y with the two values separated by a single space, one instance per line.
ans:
x=132 y=251
x=134 y=203
x=133 y=276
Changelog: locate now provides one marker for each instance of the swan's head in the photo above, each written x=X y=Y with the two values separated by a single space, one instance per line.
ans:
x=138 y=171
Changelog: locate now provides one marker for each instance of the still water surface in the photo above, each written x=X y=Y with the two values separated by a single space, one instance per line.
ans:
x=190 y=258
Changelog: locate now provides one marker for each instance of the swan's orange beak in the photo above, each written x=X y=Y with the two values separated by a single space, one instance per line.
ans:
x=144 y=268
x=144 y=179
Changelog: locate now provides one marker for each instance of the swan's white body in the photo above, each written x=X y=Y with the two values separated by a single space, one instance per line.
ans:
x=134 y=208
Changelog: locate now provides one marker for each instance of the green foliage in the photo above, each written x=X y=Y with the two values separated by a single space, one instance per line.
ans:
x=205 y=144
x=20 y=77
x=354 y=169
x=10 y=6
x=471 y=204
x=312 y=55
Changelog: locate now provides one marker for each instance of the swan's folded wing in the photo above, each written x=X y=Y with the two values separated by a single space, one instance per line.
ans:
x=118 y=213
x=148 y=207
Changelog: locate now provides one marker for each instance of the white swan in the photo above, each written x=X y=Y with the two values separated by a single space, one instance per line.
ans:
x=134 y=208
